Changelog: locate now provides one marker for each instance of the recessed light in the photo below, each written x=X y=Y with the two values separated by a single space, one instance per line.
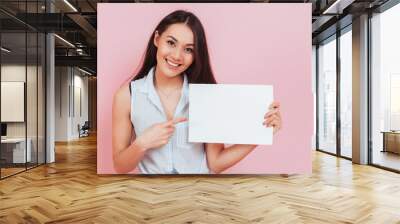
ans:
x=5 y=50
x=84 y=71
x=70 y=5
x=64 y=40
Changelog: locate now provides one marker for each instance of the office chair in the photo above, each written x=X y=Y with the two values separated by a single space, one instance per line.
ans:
x=84 y=130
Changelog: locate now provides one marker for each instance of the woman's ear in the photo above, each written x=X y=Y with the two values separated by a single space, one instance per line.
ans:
x=156 y=38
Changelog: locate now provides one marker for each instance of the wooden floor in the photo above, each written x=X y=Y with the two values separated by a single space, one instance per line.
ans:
x=8 y=171
x=387 y=159
x=5 y=172
x=70 y=191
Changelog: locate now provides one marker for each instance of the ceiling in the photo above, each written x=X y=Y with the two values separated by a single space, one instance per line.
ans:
x=76 y=22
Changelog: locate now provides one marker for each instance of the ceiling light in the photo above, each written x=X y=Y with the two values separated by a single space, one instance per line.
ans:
x=70 y=5
x=64 y=40
x=5 y=50
x=329 y=9
x=84 y=71
x=337 y=7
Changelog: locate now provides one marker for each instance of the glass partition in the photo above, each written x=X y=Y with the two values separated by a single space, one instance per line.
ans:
x=14 y=154
x=22 y=77
x=385 y=89
x=327 y=95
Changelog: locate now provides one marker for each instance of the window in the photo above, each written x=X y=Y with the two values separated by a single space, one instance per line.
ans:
x=385 y=88
x=327 y=96
x=346 y=93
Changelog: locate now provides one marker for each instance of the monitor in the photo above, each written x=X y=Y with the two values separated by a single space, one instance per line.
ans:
x=3 y=129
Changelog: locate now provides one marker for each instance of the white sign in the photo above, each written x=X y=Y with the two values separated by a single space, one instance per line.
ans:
x=12 y=101
x=228 y=113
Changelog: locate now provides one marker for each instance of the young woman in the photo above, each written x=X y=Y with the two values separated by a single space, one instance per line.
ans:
x=150 y=129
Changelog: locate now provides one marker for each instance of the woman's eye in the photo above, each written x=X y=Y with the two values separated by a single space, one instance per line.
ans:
x=170 y=42
x=189 y=50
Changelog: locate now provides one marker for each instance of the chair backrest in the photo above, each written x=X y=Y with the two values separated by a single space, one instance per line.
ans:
x=86 y=124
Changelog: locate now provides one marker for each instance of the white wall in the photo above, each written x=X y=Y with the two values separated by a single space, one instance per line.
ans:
x=62 y=78
x=10 y=73
x=80 y=84
x=70 y=84
x=33 y=127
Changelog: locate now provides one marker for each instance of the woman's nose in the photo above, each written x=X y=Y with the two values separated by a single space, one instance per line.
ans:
x=176 y=55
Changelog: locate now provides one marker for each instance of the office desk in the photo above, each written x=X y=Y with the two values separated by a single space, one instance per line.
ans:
x=391 y=141
x=13 y=150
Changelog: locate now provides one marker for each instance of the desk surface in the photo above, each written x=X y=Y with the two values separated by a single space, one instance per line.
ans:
x=13 y=140
x=391 y=132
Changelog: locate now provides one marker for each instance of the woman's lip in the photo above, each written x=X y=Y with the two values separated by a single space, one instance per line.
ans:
x=172 y=63
x=172 y=67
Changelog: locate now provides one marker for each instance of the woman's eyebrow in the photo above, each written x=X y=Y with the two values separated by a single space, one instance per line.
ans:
x=172 y=38
x=177 y=40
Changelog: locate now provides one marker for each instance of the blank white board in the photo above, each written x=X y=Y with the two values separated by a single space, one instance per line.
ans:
x=12 y=101
x=229 y=113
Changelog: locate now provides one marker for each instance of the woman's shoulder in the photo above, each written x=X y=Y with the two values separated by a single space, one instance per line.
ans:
x=123 y=89
x=124 y=92
x=122 y=96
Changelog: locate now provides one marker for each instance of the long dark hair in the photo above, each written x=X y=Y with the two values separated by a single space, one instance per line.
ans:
x=200 y=70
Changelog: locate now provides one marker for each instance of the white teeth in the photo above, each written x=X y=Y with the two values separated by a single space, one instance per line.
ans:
x=173 y=64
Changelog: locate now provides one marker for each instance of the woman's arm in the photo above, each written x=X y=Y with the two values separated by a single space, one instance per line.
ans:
x=126 y=154
x=129 y=149
x=220 y=158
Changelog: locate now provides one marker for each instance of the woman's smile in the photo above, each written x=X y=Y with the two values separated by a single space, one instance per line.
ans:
x=172 y=65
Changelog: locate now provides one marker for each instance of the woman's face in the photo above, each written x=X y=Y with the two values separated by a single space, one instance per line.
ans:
x=175 y=48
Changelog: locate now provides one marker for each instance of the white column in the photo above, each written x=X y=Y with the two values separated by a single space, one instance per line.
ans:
x=50 y=92
x=50 y=100
x=360 y=90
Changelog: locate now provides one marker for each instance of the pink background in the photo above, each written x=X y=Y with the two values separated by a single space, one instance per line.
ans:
x=249 y=43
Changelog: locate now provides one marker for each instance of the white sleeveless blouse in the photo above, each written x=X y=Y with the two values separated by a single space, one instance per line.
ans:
x=178 y=155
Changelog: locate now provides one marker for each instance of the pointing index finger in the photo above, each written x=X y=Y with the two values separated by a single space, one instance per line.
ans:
x=179 y=120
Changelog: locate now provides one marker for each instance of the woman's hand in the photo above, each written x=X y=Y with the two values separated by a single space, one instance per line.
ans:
x=157 y=135
x=220 y=158
x=273 y=117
